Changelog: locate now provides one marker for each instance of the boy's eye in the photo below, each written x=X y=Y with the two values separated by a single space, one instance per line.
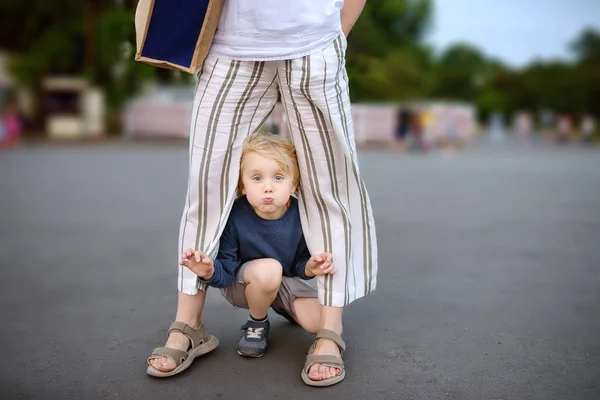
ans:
x=279 y=178
x=256 y=178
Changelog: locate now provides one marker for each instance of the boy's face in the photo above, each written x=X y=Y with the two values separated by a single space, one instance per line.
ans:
x=266 y=186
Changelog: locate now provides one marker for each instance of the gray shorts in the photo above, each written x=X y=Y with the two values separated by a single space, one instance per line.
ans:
x=290 y=290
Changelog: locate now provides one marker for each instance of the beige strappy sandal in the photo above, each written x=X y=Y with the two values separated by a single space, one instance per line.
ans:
x=325 y=359
x=200 y=343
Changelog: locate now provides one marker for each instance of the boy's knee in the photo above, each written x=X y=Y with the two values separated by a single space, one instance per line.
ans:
x=265 y=273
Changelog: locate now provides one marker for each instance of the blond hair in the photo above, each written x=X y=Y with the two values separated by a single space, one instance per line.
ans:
x=276 y=148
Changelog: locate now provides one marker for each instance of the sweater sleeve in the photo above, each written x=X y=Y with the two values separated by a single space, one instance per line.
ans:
x=227 y=261
x=302 y=257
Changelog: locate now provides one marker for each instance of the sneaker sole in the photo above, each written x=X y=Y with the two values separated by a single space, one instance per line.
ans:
x=251 y=355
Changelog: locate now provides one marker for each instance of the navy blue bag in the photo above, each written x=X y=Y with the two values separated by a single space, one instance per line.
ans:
x=175 y=34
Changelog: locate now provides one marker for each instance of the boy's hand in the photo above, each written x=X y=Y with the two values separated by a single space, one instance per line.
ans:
x=319 y=264
x=199 y=263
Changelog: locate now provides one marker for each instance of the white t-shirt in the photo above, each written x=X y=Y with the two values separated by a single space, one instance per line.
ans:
x=262 y=30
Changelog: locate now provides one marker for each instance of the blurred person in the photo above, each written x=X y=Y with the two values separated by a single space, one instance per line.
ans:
x=262 y=253
x=418 y=131
x=427 y=123
x=404 y=120
x=588 y=129
x=297 y=49
x=11 y=125
x=564 y=129
x=497 y=130
x=2 y=134
x=523 y=126
x=547 y=122
x=271 y=126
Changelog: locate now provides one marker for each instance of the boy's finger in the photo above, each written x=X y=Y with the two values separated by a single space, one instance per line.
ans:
x=198 y=256
x=326 y=264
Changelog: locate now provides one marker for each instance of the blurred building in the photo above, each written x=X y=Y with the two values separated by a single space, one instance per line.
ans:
x=166 y=113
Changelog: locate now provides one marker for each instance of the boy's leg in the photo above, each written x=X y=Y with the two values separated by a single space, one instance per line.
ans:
x=335 y=207
x=298 y=301
x=262 y=279
x=231 y=100
x=255 y=287
x=295 y=300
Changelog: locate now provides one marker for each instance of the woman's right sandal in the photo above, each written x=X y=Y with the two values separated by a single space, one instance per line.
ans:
x=325 y=359
x=200 y=343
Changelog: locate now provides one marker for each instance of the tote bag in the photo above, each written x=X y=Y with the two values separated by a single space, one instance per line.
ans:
x=175 y=34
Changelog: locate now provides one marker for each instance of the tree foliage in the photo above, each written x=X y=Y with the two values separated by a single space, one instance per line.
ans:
x=565 y=87
x=72 y=37
x=386 y=60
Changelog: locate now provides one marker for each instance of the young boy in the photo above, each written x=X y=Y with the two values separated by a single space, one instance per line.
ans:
x=262 y=251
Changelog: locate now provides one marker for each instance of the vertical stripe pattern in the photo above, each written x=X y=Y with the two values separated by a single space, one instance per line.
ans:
x=336 y=211
x=232 y=98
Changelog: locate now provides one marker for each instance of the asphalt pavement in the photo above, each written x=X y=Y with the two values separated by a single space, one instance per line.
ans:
x=489 y=284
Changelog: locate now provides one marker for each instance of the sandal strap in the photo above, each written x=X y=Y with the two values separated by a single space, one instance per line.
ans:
x=196 y=336
x=325 y=360
x=333 y=336
x=178 y=356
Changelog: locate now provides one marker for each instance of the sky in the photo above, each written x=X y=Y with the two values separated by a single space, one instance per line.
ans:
x=515 y=31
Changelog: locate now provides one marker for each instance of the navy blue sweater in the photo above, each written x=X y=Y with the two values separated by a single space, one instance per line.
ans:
x=249 y=237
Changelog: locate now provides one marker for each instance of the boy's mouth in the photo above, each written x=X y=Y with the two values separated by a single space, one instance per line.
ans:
x=268 y=200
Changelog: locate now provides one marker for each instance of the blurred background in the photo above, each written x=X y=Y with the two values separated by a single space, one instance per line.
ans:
x=424 y=74
x=477 y=125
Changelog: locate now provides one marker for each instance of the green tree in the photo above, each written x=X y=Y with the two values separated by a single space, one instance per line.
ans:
x=460 y=72
x=385 y=60
x=45 y=36
x=87 y=38
x=587 y=50
x=587 y=46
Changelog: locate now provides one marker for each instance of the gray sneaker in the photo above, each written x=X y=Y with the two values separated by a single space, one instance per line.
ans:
x=253 y=342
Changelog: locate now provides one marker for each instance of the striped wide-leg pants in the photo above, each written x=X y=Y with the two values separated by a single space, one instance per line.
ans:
x=234 y=98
